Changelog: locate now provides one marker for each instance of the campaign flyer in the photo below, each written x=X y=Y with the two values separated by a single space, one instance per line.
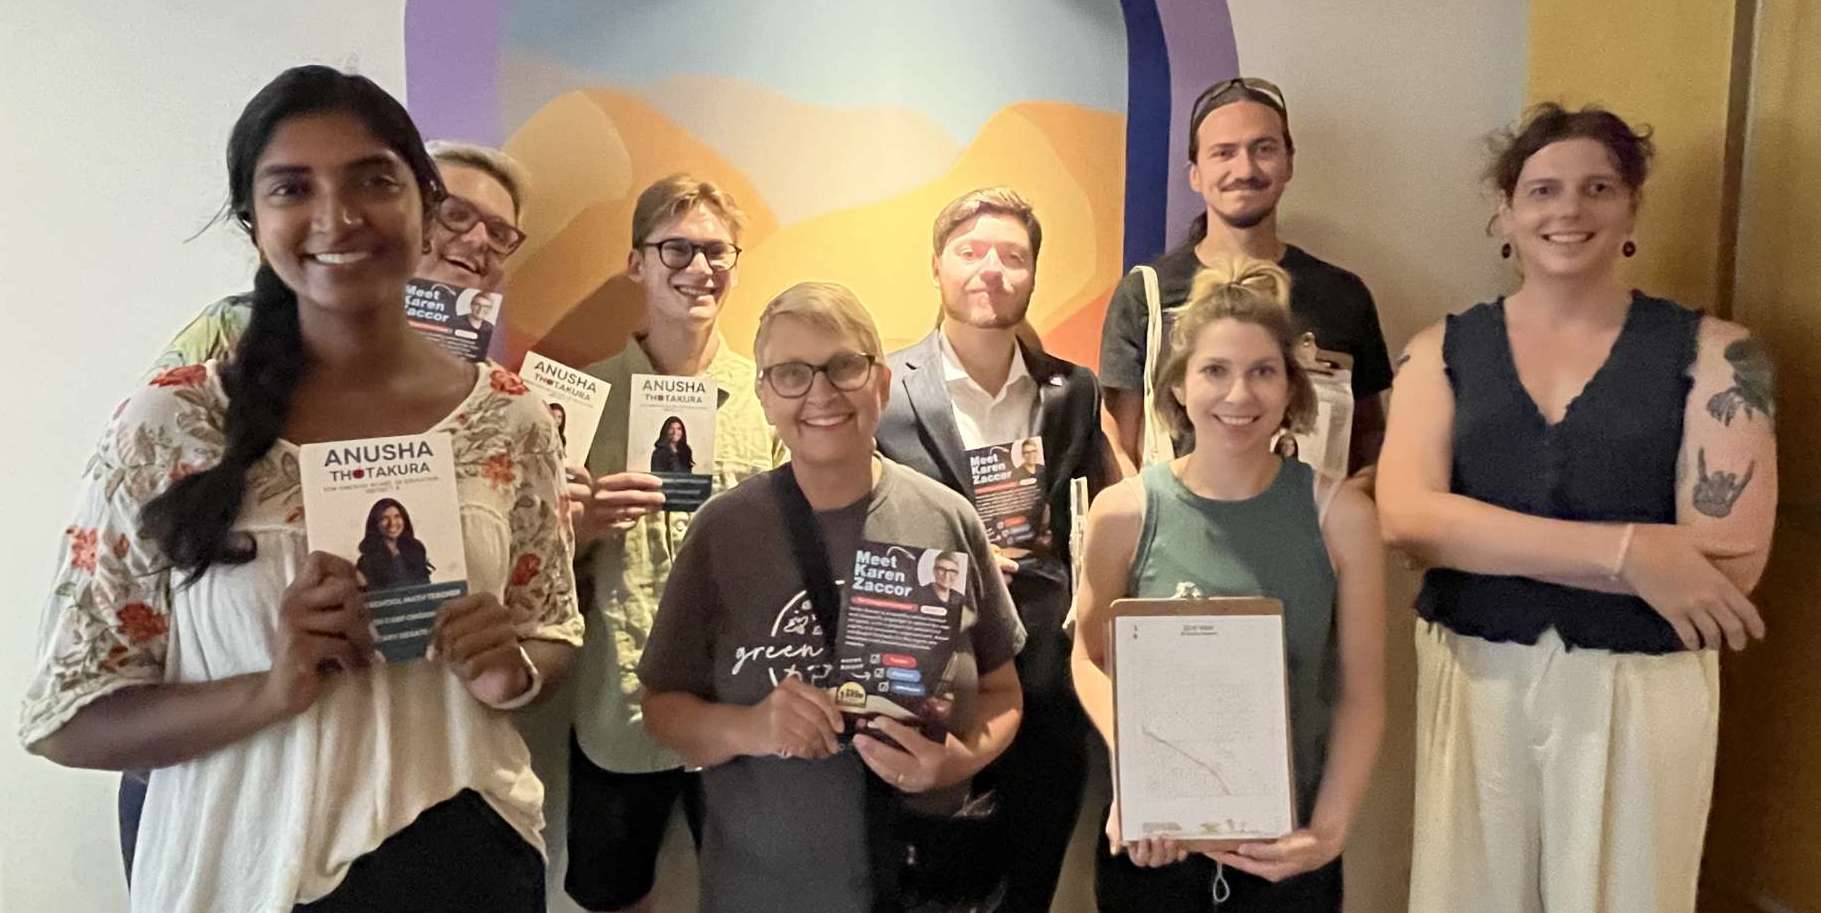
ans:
x=1008 y=490
x=670 y=434
x=389 y=506
x=900 y=617
x=461 y=320
x=575 y=398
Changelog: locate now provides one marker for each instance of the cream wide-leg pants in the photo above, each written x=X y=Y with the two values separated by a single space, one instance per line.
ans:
x=1558 y=781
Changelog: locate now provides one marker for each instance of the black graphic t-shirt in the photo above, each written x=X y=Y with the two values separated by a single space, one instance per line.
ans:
x=1325 y=299
x=790 y=835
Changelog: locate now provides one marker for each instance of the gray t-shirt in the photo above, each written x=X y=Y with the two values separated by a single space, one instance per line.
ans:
x=790 y=835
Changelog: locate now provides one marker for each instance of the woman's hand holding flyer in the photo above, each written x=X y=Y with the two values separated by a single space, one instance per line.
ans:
x=475 y=637
x=323 y=626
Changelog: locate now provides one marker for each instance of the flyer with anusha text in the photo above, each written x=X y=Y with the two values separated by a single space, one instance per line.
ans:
x=461 y=320
x=1008 y=482
x=900 y=617
x=575 y=399
x=389 y=506
x=670 y=427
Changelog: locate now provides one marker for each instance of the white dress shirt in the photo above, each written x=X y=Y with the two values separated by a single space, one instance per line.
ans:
x=984 y=418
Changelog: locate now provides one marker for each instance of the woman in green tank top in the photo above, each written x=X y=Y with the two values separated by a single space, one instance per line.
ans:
x=1232 y=518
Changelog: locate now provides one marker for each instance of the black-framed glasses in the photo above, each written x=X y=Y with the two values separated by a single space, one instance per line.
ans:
x=847 y=372
x=678 y=253
x=1206 y=102
x=460 y=216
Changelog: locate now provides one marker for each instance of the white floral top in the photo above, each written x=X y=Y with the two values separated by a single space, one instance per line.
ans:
x=275 y=819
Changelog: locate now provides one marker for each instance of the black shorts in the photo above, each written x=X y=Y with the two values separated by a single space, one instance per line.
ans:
x=616 y=827
x=458 y=855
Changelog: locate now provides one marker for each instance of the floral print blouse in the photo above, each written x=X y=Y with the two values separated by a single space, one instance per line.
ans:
x=275 y=819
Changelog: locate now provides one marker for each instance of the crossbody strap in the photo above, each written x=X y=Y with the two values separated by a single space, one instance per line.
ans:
x=811 y=553
x=884 y=853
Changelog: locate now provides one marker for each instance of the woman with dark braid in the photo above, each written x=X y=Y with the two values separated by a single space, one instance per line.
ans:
x=190 y=629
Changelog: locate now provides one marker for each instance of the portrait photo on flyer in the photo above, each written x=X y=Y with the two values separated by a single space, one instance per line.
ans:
x=670 y=433
x=389 y=506
x=901 y=612
x=575 y=399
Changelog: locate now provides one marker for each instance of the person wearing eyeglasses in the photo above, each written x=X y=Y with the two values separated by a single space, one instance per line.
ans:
x=474 y=230
x=624 y=786
x=971 y=383
x=738 y=664
x=1241 y=160
x=479 y=317
x=944 y=580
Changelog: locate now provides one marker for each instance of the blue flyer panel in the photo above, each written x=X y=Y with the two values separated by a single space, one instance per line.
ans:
x=388 y=506
x=685 y=492
x=459 y=319
x=404 y=615
x=901 y=612
x=670 y=433
x=1009 y=490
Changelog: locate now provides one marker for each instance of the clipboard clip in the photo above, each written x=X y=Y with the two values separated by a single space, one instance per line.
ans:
x=1321 y=361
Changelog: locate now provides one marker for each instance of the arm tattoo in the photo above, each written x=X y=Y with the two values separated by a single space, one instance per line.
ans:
x=1715 y=493
x=1754 y=384
x=1398 y=365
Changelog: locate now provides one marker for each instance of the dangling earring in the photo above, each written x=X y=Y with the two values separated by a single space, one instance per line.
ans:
x=1505 y=251
x=1630 y=249
x=426 y=244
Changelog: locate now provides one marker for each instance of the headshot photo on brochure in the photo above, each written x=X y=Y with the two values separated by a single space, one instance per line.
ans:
x=941 y=575
x=390 y=552
x=670 y=452
x=561 y=417
x=1027 y=460
x=477 y=311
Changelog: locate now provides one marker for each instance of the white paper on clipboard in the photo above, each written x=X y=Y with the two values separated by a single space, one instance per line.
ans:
x=1202 y=726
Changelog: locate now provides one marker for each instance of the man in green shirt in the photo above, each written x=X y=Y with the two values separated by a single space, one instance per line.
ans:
x=622 y=786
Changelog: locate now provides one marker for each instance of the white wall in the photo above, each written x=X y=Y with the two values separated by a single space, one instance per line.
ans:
x=1389 y=103
x=116 y=116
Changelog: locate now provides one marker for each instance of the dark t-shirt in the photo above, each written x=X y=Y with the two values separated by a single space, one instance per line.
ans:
x=1325 y=300
x=790 y=835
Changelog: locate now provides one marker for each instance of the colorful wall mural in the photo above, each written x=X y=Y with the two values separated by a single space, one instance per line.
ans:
x=841 y=128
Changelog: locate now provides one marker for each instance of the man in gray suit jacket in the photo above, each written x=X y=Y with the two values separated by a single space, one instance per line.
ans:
x=972 y=383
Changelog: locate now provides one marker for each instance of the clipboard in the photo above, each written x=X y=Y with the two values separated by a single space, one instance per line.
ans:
x=1214 y=607
x=1326 y=445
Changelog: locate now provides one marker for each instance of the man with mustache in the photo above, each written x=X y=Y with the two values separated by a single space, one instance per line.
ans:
x=475 y=230
x=1241 y=159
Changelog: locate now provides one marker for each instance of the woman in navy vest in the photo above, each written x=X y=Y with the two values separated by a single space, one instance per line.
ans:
x=1590 y=472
